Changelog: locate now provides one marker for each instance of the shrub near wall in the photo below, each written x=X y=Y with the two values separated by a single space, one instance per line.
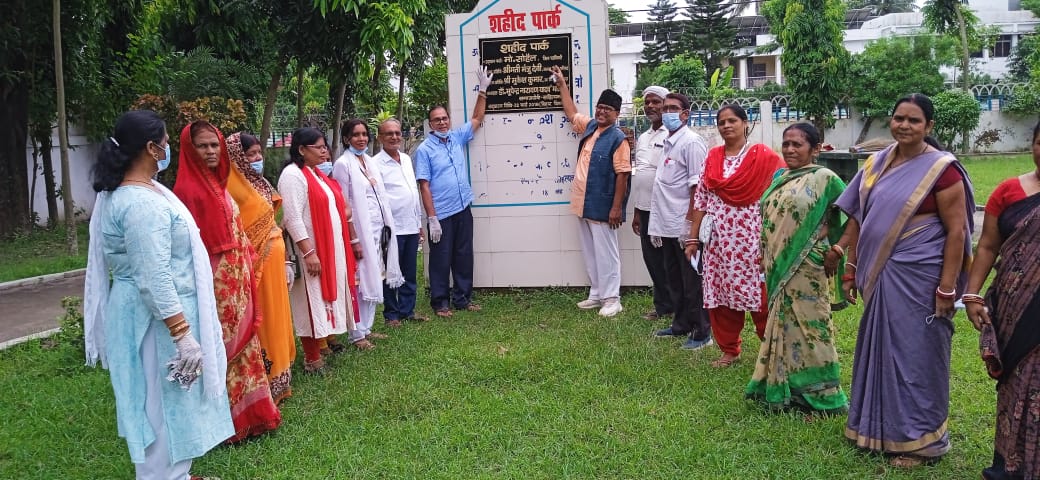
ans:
x=956 y=111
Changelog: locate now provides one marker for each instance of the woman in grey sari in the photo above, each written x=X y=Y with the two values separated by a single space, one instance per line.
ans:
x=910 y=213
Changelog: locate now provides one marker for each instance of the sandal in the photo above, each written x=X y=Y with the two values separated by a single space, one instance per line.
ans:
x=912 y=461
x=444 y=312
x=317 y=366
x=364 y=345
x=725 y=361
x=472 y=307
x=418 y=318
x=377 y=336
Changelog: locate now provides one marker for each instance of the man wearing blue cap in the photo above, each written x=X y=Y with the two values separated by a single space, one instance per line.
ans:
x=598 y=194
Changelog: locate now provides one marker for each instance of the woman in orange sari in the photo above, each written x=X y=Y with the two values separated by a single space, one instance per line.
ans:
x=202 y=186
x=258 y=203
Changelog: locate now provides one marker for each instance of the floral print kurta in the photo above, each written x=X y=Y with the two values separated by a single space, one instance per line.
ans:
x=730 y=264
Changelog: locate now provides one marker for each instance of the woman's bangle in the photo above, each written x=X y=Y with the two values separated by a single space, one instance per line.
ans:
x=945 y=295
x=356 y=240
x=179 y=330
x=838 y=249
x=848 y=277
x=309 y=252
x=692 y=241
x=181 y=334
x=972 y=298
x=850 y=264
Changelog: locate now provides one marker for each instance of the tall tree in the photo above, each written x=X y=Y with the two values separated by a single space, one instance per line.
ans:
x=665 y=29
x=811 y=34
x=708 y=33
x=883 y=7
x=954 y=17
x=71 y=245
x=875 y=85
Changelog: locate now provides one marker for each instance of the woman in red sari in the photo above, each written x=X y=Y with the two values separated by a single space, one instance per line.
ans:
x=735 y=177
x=202 y=186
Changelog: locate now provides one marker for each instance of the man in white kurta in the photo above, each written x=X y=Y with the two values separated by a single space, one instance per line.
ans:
x=403 y=196
x=678 y=174
x=649 y=147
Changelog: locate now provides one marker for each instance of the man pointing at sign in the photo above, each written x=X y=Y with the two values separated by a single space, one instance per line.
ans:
x=598 y=193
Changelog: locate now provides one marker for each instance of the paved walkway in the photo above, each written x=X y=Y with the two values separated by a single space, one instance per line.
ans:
x=35 y=308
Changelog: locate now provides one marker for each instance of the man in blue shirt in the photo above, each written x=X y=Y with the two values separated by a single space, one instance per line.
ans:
x=443 y=176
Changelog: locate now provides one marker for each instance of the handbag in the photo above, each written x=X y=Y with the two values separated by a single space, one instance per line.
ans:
x=706 y=230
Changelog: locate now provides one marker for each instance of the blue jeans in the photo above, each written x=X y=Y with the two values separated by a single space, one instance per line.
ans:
x=399 y=303
x=451 y=263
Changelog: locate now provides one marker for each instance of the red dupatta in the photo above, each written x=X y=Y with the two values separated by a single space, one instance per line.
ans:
x=324 y=247
x=203 y=190
x=751 y=179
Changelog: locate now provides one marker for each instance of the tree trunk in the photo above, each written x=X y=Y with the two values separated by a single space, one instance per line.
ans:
x=43 y=137
x=400 y=93
x=14 y=114
x=865 y=131
x=35 y=168
x=299 y=94
x=337 y=118
x=965 y=65
x=272 y=96
x=71 y=243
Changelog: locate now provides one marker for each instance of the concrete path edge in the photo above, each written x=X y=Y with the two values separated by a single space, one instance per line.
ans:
x=25 y=282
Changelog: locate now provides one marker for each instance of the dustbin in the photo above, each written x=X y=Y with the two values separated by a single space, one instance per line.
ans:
x=845 y=164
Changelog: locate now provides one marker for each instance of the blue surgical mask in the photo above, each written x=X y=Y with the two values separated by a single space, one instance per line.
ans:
x=356 y=151
x=440 y=135
x=326 y=168
x=258 y=166
x=671 y=121
x=162 y=164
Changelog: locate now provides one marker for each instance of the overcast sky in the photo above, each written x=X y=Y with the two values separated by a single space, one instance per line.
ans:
x=640 y=16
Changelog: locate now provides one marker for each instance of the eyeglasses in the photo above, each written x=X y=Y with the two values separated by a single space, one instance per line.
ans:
x=672 y=109
x=605 y=108
x=320 y=148
x=439 y=120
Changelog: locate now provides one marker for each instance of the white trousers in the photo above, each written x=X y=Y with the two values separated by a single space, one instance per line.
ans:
x=367 y=310
x=599 y=247
x=156 y=464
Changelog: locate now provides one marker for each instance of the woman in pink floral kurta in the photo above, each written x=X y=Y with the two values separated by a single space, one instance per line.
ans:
x=735 y=176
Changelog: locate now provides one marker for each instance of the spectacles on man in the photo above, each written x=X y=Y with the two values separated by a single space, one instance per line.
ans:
x=605 y=108
x=320 y=148
x=672 y=109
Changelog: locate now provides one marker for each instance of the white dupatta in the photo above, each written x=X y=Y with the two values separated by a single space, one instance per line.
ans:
x=347 y=171
x=95 y=297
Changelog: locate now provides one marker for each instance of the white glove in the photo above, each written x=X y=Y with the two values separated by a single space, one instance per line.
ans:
x=186 y=366
x=435 y=230
x=656 y=241
x=290 y=275
x=484 y=78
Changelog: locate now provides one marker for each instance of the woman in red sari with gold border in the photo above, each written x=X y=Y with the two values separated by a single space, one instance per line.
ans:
x=1009 y=319
x=202 y=186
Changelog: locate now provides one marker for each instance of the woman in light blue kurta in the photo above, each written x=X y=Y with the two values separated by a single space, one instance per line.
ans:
x=148 y=243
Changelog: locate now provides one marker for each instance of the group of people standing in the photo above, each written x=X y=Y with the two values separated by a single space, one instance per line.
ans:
x=725 y=232
x=187 y=297
x=779 y=238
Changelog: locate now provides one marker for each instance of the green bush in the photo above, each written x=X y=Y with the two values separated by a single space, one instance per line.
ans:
x=956 y=111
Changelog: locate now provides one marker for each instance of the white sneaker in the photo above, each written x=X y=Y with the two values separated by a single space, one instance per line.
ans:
x=611 y=308
x=590 y=303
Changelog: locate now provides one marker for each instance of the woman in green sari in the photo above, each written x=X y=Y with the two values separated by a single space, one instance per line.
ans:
x=797 y=363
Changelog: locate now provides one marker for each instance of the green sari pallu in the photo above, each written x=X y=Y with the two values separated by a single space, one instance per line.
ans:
x=797 y=363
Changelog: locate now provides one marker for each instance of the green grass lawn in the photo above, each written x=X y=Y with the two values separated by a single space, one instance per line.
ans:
x=530 y=388
x=987 y=171
x=39 y=253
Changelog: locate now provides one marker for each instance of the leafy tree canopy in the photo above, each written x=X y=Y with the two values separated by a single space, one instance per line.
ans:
x=875 y=85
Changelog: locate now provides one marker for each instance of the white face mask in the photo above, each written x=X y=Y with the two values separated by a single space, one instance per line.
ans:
x=258 y=166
